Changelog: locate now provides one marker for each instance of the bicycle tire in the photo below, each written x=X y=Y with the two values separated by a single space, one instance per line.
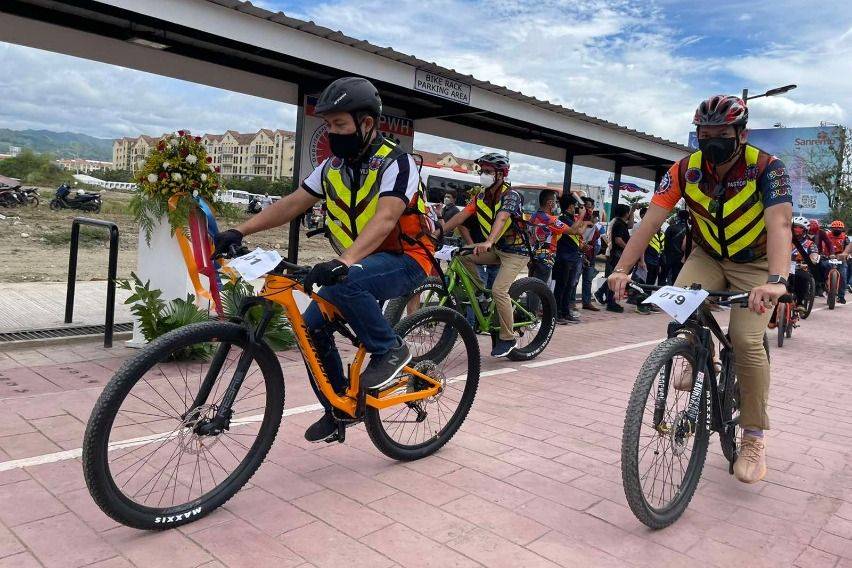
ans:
x=547 y=322
x=788 y=330
x=810 y=294
x=630 y=458
x=833 y=284
x=373 y=420
x=95 y=442
x=395 y=309
x=781 y=323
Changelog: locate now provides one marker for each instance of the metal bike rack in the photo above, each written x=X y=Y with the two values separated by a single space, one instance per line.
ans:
x=112 y=270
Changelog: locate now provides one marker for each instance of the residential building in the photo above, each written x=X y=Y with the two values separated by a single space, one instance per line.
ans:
x=447 y=160
x=80 y=165
x=267 y=154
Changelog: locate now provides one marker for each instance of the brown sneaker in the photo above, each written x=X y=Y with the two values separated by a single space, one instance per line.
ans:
x=682 y=378
x=750 y=466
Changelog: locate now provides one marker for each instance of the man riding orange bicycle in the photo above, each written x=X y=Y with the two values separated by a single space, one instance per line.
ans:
x=375 y=210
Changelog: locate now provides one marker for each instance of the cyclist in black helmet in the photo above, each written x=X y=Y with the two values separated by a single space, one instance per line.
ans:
x=373 y=198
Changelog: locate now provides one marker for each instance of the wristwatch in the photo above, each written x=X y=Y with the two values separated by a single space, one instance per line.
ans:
x=776 y=279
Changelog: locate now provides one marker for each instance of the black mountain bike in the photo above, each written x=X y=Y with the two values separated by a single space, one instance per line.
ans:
x=682 y=394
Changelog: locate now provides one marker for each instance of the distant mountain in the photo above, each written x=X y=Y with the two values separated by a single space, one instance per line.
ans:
x=60 y=144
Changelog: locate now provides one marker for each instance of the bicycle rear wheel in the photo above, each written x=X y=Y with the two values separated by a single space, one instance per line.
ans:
x=660 y=467
x=147 y=461
x=536 y=329
x=781 y=322
x=444 y=347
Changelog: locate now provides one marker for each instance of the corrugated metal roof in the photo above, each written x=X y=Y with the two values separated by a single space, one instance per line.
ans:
x=339 y=37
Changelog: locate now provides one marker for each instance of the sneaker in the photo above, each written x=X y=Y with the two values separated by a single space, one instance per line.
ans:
x=617 y=308
x=653 y=308
x=642 y=310
x=561 y=321
x=841 y=300
x=573 y=318
x=384 y=368
x=591 y=307
x=750 y=466
x=502 y=347
x=322 y=429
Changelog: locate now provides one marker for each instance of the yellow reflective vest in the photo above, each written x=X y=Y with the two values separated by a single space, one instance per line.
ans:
x=485 y=214
x=730 y=225
x=350 y=210
x=658 y=242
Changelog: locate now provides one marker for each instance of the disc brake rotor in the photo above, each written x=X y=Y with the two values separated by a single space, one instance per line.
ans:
x=188 y=438
x=680 y=433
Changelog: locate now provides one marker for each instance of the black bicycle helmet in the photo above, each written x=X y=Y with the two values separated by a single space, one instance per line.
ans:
x=352 y=95
x=721 y=110
x=498 y=161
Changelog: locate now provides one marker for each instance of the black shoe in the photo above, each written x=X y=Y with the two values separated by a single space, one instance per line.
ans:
x=642 y=310
x=502 y=347
x=617 y=308
x=841 y=300
x=561 y=321
x=573 y=318
x=599 y=296
x=384 y=368
x=322 y=429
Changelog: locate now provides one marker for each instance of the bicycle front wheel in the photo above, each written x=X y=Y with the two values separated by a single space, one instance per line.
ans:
x=661 y=465
x=833 y=287
x=809 y=294
x=429 y=294
x=781 y=322
x=443 y=347
x=148 y=460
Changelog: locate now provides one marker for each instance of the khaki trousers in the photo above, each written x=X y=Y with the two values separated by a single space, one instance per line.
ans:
x=510 y=266
x=746 y=327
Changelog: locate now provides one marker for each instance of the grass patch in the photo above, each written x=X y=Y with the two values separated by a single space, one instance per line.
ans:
x=89 y=237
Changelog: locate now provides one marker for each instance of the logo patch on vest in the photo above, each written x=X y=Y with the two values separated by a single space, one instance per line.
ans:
x=751 y=172
x=336 y=162
x=693 y=175
x=376 y=162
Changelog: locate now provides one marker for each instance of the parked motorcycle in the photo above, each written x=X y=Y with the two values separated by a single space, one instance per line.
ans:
x=12 y=196
x=254 y=206
x=30 y=194
x=83 y=200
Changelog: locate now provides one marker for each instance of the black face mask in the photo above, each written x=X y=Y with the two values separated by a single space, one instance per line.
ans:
x=349 y=146
x=717 y=150
x=836 y=232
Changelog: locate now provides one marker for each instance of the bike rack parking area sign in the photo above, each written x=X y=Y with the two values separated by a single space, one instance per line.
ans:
x=428 y=82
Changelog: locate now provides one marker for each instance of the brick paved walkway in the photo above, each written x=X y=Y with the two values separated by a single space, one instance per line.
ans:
x=532 y=479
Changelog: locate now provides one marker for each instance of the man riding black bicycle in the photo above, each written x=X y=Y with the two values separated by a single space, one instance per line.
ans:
x=375 y=210
x=740 y=202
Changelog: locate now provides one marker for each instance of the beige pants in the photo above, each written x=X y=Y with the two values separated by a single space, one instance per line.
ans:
x=746 y=327
x=510 y=266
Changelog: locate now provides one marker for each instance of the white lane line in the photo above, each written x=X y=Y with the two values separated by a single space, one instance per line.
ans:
x=140 y=441
x=593 y=354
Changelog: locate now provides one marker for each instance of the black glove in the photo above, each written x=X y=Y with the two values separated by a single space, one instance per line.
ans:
x=325 y=274
x=225 y=240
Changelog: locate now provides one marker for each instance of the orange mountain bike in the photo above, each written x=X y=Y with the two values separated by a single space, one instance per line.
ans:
x=183 y=425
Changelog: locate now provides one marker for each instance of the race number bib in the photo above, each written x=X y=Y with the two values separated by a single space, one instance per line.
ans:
x=255 y=264
x=446 y=253
x=679 y=303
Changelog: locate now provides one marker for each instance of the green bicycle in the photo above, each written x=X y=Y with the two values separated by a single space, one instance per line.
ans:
x=533 y=302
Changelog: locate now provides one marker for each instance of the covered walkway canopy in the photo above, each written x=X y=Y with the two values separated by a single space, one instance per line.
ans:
x=236 y=46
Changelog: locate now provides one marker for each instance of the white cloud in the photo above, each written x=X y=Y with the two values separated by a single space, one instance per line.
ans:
x=641 y=64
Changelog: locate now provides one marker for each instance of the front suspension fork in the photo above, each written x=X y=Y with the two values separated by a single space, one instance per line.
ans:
x=222 y=418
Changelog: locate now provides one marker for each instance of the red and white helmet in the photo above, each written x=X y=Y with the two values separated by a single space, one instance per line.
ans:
x=721 y=110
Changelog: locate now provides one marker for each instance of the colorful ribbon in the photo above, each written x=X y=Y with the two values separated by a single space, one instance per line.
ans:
x=198 y=250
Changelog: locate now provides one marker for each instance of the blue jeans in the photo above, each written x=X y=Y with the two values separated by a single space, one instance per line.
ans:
x=589 y=273
x=379 y=277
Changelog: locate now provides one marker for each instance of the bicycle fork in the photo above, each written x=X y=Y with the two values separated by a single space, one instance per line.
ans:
x=221 y=419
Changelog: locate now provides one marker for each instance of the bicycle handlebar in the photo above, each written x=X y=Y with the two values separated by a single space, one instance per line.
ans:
x=726 y=297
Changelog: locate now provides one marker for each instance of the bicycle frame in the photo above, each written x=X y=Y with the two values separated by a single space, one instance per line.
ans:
x=457 y=274
x=279 y=289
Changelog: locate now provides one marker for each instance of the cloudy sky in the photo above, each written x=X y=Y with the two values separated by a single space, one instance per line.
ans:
x=642 y=64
